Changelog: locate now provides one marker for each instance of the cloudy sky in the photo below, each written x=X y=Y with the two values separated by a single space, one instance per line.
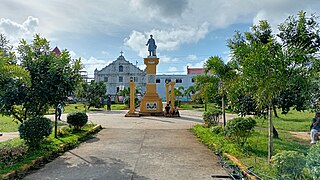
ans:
x=187 y=32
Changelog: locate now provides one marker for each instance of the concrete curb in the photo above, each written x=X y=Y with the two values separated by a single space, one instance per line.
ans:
x=44 y=159
x=238 y=163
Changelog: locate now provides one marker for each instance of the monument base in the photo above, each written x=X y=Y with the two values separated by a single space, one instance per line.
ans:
x=151 y=106
x=129 y=114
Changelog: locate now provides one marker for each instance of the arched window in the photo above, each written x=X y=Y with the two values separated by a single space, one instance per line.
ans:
x=120 y=68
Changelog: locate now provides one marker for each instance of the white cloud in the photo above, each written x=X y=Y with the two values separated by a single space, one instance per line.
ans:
x=167 y=59
x=15 y=31
x=192 y=57
x=167 y=40
x=172 y=69
x=92 y=63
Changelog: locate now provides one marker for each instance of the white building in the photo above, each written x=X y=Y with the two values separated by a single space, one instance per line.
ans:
x=118 y=74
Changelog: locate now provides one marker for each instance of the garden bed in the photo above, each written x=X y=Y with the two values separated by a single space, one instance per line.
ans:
x=49 y=150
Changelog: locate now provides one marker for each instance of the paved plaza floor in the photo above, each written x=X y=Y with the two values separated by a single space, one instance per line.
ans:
x=141 y=148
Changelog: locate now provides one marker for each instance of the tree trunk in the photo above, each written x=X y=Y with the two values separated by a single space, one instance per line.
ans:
x=270 y=128
x=275 y=133
x=205 y=105
x=275 y=111
x=55 y=123
x=223 y=114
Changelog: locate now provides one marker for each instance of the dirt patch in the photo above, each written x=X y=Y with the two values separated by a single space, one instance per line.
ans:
x=301 y=135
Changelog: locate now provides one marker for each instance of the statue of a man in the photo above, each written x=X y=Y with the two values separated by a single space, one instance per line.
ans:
x=152 y=46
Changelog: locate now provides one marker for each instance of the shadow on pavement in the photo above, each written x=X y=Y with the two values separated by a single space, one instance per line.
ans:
x=90 y=168
x=191 y=119
x=92 y=139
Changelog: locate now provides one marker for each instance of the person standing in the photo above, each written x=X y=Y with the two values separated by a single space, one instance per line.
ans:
x=109 y=103
x=315 y=128
x=59 y=108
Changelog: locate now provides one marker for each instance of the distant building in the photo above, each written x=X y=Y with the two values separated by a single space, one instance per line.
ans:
x=118 y=74
x=56 y=51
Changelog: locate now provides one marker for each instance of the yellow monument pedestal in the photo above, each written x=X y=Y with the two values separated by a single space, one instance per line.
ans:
x=132 y=112
x=151 y=103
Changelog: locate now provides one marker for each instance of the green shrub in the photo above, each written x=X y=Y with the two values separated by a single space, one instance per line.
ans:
x=34 y=130
x=239 y=129
x=289 y=164
x=313 y=161
x=216 y=129
x=63 y=131
x=77 y=119
x=211 y=117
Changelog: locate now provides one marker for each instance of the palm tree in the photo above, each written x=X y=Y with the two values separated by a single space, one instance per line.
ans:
x=188 y=92
x=178 y=92
x=224 y=72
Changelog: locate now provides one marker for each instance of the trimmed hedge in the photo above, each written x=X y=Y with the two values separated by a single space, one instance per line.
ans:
x=77 y=119
x=34 y=130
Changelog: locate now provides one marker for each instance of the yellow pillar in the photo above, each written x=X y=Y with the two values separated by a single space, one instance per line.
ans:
x=172 y=94
x=131 y=112
x=151 y=103
x=167 y=92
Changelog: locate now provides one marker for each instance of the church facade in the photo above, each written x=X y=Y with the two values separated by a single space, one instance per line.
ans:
x=118 y=74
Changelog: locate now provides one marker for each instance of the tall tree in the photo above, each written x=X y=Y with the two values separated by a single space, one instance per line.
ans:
x=269 y=68
x=224 y=73
x=261 y=66
x=188 y=92
x=206 y=89
x=178 y=92
x=52 y=78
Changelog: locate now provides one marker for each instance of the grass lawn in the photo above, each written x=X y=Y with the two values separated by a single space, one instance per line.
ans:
x=80 y=107
x=255 y=152
x=8 y=125
x=293 y=121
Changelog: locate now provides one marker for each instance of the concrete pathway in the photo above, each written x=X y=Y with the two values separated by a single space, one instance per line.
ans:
x=137 y=148
x=8 y=135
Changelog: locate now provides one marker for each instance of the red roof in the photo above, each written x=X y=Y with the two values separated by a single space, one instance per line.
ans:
x=56 y=51
x=195 y=70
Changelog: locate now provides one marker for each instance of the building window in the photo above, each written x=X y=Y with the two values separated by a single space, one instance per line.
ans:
x=105 y=79
x=120 y=68
x=167 y=80
x=120 y=79
x=192 y=80
x=178 y=80
x=118 y=89
x=135 y=79
x=157 y=80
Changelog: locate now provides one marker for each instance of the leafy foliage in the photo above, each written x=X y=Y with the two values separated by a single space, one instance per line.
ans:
x=77 y=119
x=216 y=129
x=94 y=93
x=52 y=78
x=11 y=154
x=211 y=117
x=188 y=92
x=239 y=129
x=63 y=131
x=312 y=161
x=206 y=88
x=34 y=130
x=289 y=164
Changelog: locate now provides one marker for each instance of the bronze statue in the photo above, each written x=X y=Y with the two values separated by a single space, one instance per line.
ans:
x=152 y=46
